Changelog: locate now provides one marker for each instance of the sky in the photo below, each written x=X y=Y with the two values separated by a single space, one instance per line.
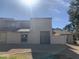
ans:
x=57 y=9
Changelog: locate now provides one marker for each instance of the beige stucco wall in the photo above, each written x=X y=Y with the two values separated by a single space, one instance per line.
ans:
x=62 y=39
x=3 y=37
x=13 y=37
x=59 y=39
x=10 y=37
x=37 y=25
x=69 y=38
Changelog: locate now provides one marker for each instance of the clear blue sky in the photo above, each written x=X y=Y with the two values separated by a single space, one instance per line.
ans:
x=57 y=9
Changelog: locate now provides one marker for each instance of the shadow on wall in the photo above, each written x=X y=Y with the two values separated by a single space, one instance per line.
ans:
x=44 y=51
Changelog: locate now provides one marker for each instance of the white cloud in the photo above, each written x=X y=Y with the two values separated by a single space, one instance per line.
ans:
x=56 y=3
x=57 y=11
x=57 y=19
x=44 y=8
x=63 y=3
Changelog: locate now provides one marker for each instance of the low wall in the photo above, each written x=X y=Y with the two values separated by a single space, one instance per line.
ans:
x=62 y=39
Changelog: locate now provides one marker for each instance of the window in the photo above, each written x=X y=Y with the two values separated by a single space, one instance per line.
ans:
x=24 y=38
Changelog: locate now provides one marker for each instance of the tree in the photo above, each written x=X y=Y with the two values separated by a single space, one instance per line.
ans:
x=74 y=14
x=68 y=28
x=74 y=18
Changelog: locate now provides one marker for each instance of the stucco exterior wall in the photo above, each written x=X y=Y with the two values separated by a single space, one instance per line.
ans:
x=13 y=38
x=59 y=39
x=62 y=39
x=10 y=37
x=70 y=39
x=37 y=25
x=3 y=37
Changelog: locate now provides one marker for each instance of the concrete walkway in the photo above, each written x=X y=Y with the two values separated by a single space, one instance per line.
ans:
x=74 y=48
x=72 y=51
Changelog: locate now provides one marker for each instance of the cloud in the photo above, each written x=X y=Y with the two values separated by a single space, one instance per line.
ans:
x=57 y=3
x=57 y=19
x=62 y=3
x=44 y=7
x=57 y=11
x=52 y=6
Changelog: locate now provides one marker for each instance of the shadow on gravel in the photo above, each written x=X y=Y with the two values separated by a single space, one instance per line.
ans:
x=69 y=53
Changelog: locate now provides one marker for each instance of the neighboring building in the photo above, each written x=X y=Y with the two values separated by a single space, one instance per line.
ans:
x=62 y=36
x=34 y=31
